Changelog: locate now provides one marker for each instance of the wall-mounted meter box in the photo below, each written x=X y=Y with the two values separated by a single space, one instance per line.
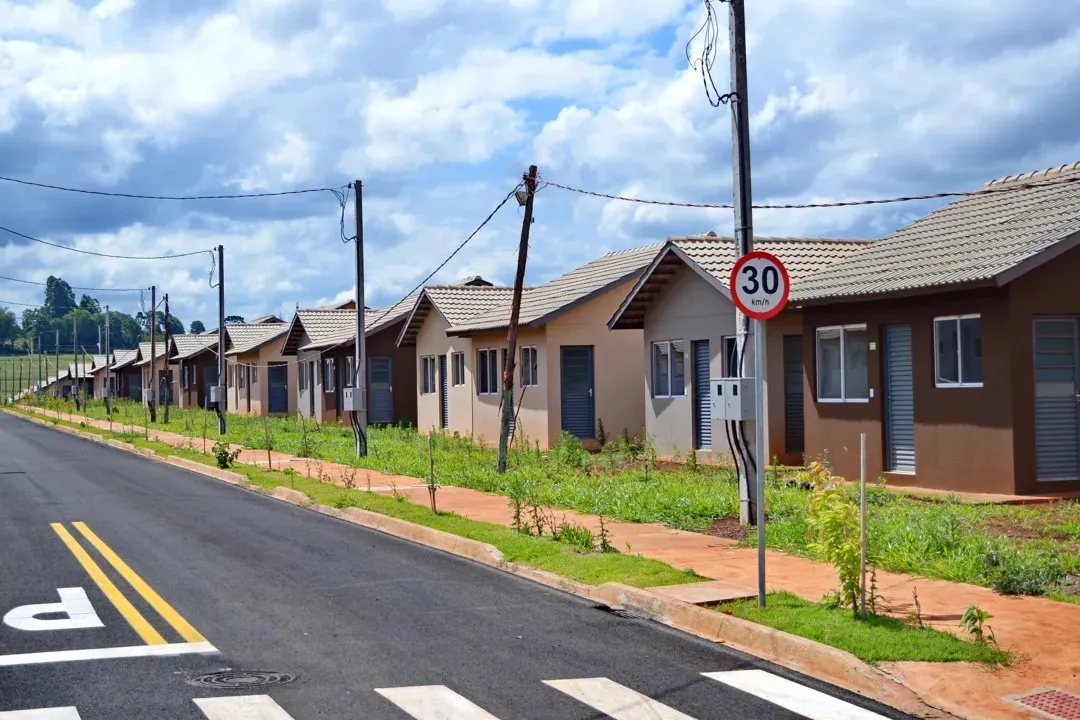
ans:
x=148 y=395
x=732 y=398
x=352 y=399
x=217 y=394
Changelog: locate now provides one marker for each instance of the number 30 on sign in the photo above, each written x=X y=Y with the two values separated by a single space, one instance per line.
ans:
x=759 y=285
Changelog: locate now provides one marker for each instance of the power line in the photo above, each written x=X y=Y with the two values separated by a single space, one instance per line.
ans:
x=104 y=255
x=29 y=305
x=73 y=287
x=807 y=206
x=136 y=196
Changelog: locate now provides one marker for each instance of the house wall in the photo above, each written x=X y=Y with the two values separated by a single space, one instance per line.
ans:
x=403 y=367
x=530 y=404
x=147 y=374
x=304 y=396
x=617 y=362
x=963 y=436
x=431 y=340
x=1047 y=291
x=194 y=396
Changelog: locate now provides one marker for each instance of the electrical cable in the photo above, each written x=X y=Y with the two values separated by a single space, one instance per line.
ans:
x=104 y=255
x=136 y=196
x=709 y=32
x=73 y=287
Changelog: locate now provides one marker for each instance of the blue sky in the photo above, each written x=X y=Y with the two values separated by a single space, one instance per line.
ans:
x=440 y=105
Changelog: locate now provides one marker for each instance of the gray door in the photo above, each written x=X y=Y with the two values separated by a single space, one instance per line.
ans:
x=444 y=403
x=899 y=400
x=794 y=437
x=311 y=388
x=702 y=404
x=1057 y=413
x=278 y=377
x=578 y=403
x=380 y=390
x=209 y=377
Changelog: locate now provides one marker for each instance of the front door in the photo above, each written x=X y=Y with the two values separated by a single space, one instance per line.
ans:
x=1057 y=400
x=899 y=400
x=311 y=387
x=444 y=404
x=578 y=403
x=702 y=402
x=278 y=377
x=794 y=434
x=380 y=390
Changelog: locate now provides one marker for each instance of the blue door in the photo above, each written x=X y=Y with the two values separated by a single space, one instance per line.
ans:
x=702 y=402
x=278 y=377
x=578 y=403
x=444 y=404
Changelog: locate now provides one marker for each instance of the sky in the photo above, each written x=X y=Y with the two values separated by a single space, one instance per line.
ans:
x=439 y=106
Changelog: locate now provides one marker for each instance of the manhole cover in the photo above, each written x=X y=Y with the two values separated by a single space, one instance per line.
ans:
x=240 y=679
x=1051 y=702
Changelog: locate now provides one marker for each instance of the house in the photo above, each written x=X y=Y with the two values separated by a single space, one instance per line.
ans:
x=143 y=364
x=79 y=377
x=261 y=381
x=193 y=369
x=572 y=374
x=127 y=379
x=953 y=345
x=324 y=343
x=683 y=307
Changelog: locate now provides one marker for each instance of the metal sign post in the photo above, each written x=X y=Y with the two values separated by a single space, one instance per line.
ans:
x=759 y=288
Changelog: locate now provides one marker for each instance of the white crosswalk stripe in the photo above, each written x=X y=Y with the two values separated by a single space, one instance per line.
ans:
x=434 y=702
x=792 y=696
x=64 y=713
x=615 y=700
x=244 y=707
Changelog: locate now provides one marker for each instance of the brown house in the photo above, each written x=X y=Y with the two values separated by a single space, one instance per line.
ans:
x=193 y=366
x=954 y=344
x=255 y=362
x=127 y=380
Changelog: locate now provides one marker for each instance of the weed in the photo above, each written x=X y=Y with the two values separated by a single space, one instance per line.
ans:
x=834 y=521
x=224 y=456
x=974 y=622
x=348 y=477
x=397 y=494
x=601 y=434
x=605 y=538
x=691 y=461
x=1011 y=572
x=916 y=607
x=576 y=535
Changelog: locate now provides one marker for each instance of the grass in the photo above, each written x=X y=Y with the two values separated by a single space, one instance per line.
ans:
x=875 y=640
x=29 y=368
x=1014 y=549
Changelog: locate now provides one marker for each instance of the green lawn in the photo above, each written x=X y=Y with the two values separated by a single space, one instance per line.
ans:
x=1015 y=549
x=28 y=367
x=874 y=640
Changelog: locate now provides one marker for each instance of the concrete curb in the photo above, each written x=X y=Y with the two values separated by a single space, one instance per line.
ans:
x=804 y=656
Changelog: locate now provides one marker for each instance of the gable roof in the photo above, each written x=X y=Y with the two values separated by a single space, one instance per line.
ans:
x=123 y=358
x=246 y=337
x=987 y=239
x=456 y=303
x=712 y=257
x=327 y=329
x=81 y=367
x=263 y=320
x=144 y=353
x=189 y=346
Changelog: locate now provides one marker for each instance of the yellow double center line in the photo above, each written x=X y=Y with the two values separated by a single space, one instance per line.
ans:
x=130 y=613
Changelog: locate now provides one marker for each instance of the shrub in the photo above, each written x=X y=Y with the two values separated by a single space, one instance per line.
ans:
x=570 y=453
x=576 y=535
x=1010 y=572
x=834 y=522
x=224 y=456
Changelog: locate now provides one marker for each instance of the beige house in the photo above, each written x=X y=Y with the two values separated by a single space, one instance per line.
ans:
x=261 y=381
x=681 y=309
x=193 y=366
x=143 y=363
x=571 y=375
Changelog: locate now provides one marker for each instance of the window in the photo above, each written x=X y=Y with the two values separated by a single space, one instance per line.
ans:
x=232 y=376
x=254 y=374
x=958 y=351
x=841 y=364
x=328 y=375
x=487 y=371
x=427 y=375
x=730 y=357
x=242 y=371
x=530 y=368
x=457 y=362
x=669 y=369
x=350 y=371
x=303 y=372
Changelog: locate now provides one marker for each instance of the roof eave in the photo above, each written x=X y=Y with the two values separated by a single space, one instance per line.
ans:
x=289 y=335
x=892 y=294
x=421 y=298
x=1065 y=244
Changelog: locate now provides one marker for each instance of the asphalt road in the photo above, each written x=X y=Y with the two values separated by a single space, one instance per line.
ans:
x=347 y=611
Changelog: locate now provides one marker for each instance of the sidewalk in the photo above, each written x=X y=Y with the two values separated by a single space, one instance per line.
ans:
x=1045 y=634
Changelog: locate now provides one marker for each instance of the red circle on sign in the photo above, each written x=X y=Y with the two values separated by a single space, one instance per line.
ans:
x=776 y=307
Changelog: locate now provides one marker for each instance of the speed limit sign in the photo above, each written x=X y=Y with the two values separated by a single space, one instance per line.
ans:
x=759 y=285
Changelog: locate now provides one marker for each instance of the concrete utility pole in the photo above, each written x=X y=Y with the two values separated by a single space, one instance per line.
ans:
x=515 y=311
x=360 y=373
x=75 y=353
x=168 y=380
x=221 y=340
x=57 y=350
x=40 y=383
x=151 y=403
x=106 y=393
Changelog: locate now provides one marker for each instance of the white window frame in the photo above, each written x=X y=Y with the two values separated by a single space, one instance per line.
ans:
x=457 y=369
x=350 y=371
x=728 y=357
x=254 y=374
x=481 y=379
x=426 y=362
x=532 y=377
x=328 y=375
x=671 y=366
x=959 y=351
x=843 y=365
x=232 y=376
x=302 y=376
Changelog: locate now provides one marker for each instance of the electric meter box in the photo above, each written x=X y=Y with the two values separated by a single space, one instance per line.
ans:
x=732 y=398
x=352 y=399
x=217 y=394
x=148 y=395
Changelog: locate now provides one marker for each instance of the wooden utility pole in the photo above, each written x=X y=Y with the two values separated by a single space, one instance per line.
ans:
x=106 y=393
x=360 y=370
x=222 y=402
x=75 y=353
x=168 y=380
x=57 y=350
x=153 y=354
x=515 y=311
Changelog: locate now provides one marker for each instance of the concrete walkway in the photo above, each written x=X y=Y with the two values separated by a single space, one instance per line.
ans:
x=1045 y=634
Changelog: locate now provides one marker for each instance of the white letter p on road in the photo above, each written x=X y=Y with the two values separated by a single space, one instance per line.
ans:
x=73 y=603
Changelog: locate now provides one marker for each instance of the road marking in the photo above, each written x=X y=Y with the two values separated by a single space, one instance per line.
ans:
x=792 y=696
x=245 y=707
x=107 y=653
x=615 y=700
x=73 y=603
x=64 y=713
x=145 y=630
x=434 y=702
x=182 y=626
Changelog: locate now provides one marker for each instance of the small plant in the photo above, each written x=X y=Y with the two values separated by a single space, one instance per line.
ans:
x=348 y=477
x=432 y=485
x=341 y=501
x=1011 y=572
x=872 y=594
x=916 y=611
x=306 y=446
x=517 y=491
x=974 y=622
x=691 y=461
x=601 y=433
x=648 y=462
x=397 y=494
x=605 y=538
x=833 y=519
x=205 y=421
x=576 y=535
x=268 y=440
x=224 y=456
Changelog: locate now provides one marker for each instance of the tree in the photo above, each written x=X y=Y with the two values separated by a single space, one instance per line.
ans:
x=9 y=327
x=59 y=297
x=90 y=305
x=234 y=319
x=197 y=327
x=176 y=327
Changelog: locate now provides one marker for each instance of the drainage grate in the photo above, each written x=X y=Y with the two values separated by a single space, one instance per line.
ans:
x=1051 y=702
x=240 y=679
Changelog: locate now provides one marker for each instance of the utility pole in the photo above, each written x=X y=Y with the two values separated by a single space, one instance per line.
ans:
x=153 y=354
x=360 y=373
x=108 y=368
x=57 y=350
x=168 y=379
x=40 y=384
x=75 y=353
x=221 y=339
x=515 y=311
